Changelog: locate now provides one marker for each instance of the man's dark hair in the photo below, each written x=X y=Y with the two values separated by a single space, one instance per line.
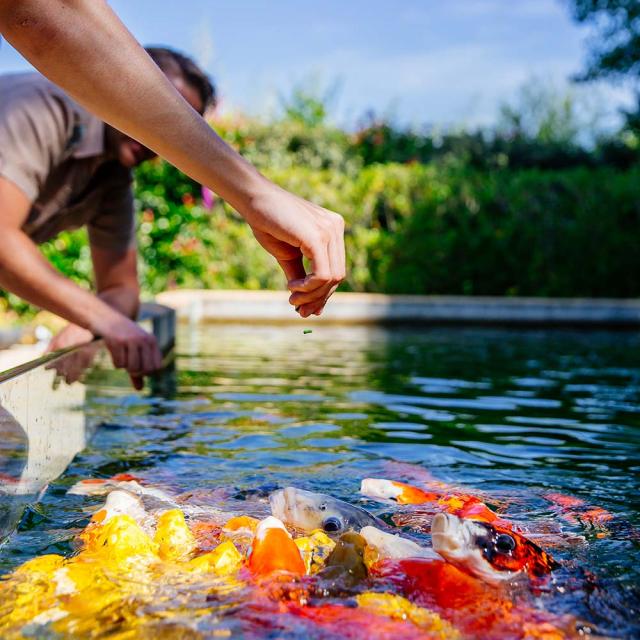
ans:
x=171 y=61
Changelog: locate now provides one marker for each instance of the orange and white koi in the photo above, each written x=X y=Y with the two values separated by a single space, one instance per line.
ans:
x=462 y=505
x=488 y=551
x=273 y=550
x=159 y=498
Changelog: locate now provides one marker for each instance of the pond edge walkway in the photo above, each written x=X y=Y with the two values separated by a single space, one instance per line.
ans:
x=366 y=308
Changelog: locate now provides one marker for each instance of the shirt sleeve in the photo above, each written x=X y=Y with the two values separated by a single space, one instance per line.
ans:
x=113 y=226
x=35 y=127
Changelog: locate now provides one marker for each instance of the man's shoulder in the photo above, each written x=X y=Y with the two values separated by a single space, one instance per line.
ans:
x=24 y=86
x=33 y=93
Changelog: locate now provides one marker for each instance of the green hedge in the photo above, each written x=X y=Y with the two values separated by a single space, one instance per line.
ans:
x=444 y=228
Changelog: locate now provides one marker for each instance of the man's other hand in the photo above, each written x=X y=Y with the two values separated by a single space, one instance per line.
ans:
x=130 y=346
x=70 y=336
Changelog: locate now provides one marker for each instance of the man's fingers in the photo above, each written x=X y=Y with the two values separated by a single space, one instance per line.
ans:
x=156 y=355
x=133 y=358
x=137 y=382
x=118 y=355
x=293 y=269
x=152 y=357
x=316 y=306
x=305 y=297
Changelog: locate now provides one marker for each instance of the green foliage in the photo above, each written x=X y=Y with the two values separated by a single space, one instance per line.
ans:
x=305 y=108
x=522 y=211
x=543 y=127
x=570 y=233
x=290 y=143
x=182 y=244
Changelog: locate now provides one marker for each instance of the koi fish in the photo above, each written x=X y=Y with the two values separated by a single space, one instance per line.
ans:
x=308 y=511
x=121 y=503
x=156 y=498
x=387 y=546
x=475 y=608
x=487 y=551
x=577 y=511
x=102 y=486
x=273 y=549
x=364 y=621
x=462 y=505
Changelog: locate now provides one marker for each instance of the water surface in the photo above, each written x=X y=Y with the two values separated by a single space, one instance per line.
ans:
x=512 y=415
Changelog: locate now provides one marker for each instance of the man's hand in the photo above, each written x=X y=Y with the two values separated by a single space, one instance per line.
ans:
x=72 y=366
x=291 y=228
x=130 y=346
x=70 y=336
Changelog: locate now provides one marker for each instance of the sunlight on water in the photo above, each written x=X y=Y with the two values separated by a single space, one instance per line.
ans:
x=510 y=416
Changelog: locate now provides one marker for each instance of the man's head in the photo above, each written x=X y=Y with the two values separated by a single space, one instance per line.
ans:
x=191 y=82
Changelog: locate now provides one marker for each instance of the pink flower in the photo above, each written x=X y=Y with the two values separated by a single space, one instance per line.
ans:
x=208 y=197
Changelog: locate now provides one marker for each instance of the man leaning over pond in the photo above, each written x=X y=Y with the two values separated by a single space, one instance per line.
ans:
x=62 y=168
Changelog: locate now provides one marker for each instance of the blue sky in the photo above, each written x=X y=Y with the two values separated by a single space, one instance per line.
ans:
x=419 y=61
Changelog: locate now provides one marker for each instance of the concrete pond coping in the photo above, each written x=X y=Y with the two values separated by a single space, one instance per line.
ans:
x=372 y=308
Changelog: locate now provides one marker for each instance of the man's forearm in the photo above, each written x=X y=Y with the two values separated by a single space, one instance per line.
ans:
x=142 y=102
x=26 y=273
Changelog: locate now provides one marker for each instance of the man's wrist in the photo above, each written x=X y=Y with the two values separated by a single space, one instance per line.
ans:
x=253 y=202
x=103 y=318
x=123 y=299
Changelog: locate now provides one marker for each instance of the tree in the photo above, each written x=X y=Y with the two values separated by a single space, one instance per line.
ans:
x=616 y=53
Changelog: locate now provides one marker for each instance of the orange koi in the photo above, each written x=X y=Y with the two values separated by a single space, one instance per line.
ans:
x=273 y=549
x=356 y=623
x=577 y=511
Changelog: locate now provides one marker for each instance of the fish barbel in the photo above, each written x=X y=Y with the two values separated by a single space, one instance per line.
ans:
x=308 y=511
x=487 y=551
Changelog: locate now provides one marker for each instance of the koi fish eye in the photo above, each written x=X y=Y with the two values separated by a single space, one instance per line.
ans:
x=332 y=524
x=505 y=543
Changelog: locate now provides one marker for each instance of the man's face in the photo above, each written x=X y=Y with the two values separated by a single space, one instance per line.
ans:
x=130 y=152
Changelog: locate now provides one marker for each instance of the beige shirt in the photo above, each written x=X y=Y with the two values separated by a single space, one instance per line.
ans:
x=55 y=152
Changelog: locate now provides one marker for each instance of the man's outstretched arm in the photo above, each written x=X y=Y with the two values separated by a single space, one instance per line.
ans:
x=83 y=47
x=24 y=271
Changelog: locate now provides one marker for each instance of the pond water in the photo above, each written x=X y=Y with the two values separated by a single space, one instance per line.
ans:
x=512 y=416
